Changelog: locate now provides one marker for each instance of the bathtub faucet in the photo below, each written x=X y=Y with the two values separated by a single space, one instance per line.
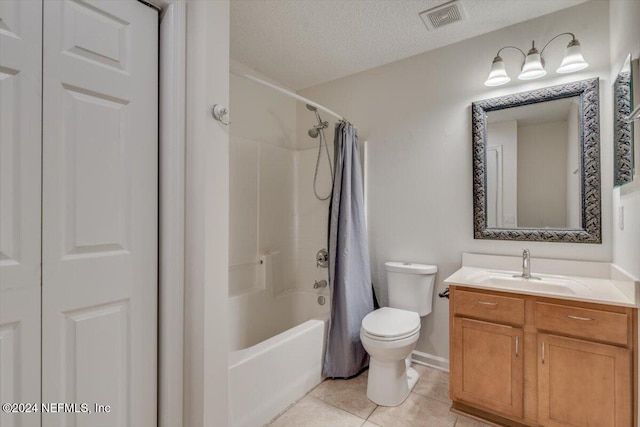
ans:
x=320 y=284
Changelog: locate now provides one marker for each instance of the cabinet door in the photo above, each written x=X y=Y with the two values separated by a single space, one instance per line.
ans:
x=487 y=366
x=583 y=384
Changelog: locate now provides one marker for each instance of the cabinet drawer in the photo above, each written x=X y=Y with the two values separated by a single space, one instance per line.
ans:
x=583 y=322
x=484 y=306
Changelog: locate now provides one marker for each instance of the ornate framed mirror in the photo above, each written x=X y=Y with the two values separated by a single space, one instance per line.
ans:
x=623 y=127
x=536 y=165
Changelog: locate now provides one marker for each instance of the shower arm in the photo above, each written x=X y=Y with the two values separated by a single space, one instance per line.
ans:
x=289 y=94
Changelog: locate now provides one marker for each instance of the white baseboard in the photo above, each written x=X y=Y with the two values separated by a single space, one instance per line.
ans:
x=430 y=360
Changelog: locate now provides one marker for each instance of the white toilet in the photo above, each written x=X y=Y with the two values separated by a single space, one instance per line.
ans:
x=389 y=334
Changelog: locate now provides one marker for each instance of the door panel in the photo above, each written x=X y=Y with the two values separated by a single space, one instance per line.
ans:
x=20 y=178
x=100 y=210
x=583 y=384
x=488 y=365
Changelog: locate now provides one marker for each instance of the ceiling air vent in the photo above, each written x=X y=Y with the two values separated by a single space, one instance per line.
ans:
x=442 y=15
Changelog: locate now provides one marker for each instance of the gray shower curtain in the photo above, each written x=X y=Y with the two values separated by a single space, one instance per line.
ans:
x=349 y=273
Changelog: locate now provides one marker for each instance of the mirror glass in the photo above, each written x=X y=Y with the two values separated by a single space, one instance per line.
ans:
x=533 y=165
x=623 y=129
x=536 y=165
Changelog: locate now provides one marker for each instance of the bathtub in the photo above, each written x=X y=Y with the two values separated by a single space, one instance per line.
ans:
x=277 y=348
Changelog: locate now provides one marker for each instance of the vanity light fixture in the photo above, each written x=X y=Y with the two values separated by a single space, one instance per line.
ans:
x=533 y=66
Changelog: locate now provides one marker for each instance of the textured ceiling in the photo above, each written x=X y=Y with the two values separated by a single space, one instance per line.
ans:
x=302 y=43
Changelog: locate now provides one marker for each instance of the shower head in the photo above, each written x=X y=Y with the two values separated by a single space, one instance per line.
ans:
x=315 y=131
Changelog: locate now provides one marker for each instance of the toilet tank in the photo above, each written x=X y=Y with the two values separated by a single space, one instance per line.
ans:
x=410 y=286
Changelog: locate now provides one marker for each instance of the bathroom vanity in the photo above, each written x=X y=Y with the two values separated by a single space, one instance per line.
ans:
x=555 y=350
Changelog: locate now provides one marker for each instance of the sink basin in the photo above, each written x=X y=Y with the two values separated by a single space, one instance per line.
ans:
x=563 y=279
x=506 y=280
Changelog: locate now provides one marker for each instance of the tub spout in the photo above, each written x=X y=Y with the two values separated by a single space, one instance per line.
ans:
x=320 y=284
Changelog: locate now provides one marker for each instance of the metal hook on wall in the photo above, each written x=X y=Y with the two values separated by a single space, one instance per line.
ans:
x=221 y=114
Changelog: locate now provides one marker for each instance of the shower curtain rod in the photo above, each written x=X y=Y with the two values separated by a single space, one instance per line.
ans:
x=289 y=93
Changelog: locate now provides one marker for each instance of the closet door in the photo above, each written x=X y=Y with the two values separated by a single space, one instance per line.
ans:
x=20 y=177
x=100 y=157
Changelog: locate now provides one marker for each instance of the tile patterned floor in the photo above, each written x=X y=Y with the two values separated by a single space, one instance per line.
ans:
x=344 y=403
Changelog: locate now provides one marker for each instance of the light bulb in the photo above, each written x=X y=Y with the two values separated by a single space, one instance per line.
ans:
x=533 y=67
x=573 y=59
x=498 y=74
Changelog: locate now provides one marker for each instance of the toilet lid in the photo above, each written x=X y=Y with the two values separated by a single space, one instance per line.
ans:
x=390 y=322
x=410 y=268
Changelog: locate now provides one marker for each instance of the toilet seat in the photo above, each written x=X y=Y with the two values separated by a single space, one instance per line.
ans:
x=390 y=324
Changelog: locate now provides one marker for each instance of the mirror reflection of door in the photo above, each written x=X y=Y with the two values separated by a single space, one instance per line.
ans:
x=494 y=187
x=533 y=180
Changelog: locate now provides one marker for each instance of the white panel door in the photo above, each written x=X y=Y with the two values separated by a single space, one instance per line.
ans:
x=20 y=177
x=100 y=157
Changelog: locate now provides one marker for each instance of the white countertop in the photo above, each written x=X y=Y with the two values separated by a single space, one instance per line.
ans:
x=609 y=285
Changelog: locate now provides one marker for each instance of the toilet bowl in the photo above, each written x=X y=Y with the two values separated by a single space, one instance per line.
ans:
x=389 y=334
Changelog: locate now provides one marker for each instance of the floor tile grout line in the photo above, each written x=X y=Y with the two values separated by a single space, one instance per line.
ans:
x=342 y=409
x=337 y=407
x=432 y=398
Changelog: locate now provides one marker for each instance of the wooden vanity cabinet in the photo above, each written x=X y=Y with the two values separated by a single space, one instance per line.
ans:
x=486 y=359
x=520 y=360
x=489 y=366
x=582 y=383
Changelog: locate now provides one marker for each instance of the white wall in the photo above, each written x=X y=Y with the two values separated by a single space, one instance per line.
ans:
x=625 y=39
x=415 y=115
x=206 y=217
x=171 y=216
x=542 y=180
x=261 y=183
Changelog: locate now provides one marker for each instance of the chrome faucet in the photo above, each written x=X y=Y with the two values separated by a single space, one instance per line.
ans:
x=526 y=266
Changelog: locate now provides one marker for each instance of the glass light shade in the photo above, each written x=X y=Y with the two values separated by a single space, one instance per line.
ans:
x=498 y=74
x=573 y=59
x=532 y=68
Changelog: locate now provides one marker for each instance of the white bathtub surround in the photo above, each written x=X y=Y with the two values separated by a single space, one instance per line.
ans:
x=277 y=347
x=262 y=183
x=257 y=316
x=276 y=228
x=268 y=377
